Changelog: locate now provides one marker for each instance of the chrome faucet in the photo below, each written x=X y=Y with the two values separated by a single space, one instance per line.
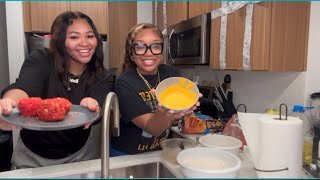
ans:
x=111 y=103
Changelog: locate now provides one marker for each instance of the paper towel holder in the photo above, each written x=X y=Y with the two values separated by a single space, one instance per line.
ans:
x=286 y=108
x=244 y=106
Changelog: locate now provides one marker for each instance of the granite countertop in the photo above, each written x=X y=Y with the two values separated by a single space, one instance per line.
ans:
x=69 y=169
x=81 y=167
x=63 y=170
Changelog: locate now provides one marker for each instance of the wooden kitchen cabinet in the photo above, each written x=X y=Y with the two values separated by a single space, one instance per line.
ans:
x=175 y=11
x=279 y=37
x=42 y=14
x=111 y=18
x=123 y=16
x=97 y=11
x=179 y=11
x=197 y=8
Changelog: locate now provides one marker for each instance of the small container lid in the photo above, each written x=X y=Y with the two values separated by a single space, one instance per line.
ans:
x=298 y=108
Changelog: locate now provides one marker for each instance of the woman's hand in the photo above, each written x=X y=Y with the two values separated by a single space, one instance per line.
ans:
x=194 y=107
x=6 y=107
x=92 y=105
x=180 y=114
x=167 y=116
x=156 y=123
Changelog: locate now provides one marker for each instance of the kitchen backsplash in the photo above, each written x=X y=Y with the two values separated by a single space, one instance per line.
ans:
x=258 y=90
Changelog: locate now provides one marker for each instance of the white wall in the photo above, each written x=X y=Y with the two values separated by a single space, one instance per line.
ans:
x=16 y=40
x=256 y=89
x=313 y=73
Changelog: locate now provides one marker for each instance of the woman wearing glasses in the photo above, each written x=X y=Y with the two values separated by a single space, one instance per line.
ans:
x=144 y=123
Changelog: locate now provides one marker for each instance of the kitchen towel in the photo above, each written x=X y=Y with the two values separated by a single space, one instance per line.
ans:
x=275 y=145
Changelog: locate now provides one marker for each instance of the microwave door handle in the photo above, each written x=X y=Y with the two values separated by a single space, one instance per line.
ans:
x=169 y=46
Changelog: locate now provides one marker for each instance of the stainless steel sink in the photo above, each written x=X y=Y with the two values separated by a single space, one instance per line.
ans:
x=150 y=170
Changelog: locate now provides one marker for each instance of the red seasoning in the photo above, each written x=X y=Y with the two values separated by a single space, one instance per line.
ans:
x=51 y=110
x=47 y=110
x=28 y=106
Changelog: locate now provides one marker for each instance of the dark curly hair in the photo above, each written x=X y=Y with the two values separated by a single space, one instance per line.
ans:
x=59 y=53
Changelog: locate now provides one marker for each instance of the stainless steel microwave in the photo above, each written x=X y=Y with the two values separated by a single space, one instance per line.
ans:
x=189 y=41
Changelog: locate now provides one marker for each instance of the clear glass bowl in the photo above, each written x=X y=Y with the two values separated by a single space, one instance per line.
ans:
x=171 y=148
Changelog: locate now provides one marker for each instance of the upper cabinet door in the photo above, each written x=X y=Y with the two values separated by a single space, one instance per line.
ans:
x=44 y=13
x=289 y=36
x=260 y=47
x=97 y=11
x=175 y=12
x=278 y=41
x=122 y=17
x=26 y=17
x=197 y=8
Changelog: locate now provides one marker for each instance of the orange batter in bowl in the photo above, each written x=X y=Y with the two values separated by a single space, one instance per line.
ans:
x=178 y=96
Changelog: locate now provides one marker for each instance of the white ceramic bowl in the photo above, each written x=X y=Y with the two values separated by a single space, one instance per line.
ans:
x=176 y=81
x=222 y=142
x=204 y=162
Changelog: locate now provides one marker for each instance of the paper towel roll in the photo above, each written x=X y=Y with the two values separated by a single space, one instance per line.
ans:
x=275 y=145
x=280 y=146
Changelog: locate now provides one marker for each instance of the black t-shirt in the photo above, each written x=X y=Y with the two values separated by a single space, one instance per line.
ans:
x=37 y=79
x=135 y=99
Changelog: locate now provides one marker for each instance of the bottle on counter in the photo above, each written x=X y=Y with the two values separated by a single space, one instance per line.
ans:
x=308 y=133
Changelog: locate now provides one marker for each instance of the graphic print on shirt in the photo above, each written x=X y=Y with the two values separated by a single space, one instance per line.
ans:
x=150 y=99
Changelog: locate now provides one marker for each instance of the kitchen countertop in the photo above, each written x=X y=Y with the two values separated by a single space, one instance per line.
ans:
x=63 y=170
x=69 y=169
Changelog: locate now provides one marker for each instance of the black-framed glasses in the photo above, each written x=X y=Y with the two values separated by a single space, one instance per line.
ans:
x=141 y=48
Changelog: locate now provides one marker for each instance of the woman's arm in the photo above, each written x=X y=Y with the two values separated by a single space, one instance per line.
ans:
x=156 y=123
